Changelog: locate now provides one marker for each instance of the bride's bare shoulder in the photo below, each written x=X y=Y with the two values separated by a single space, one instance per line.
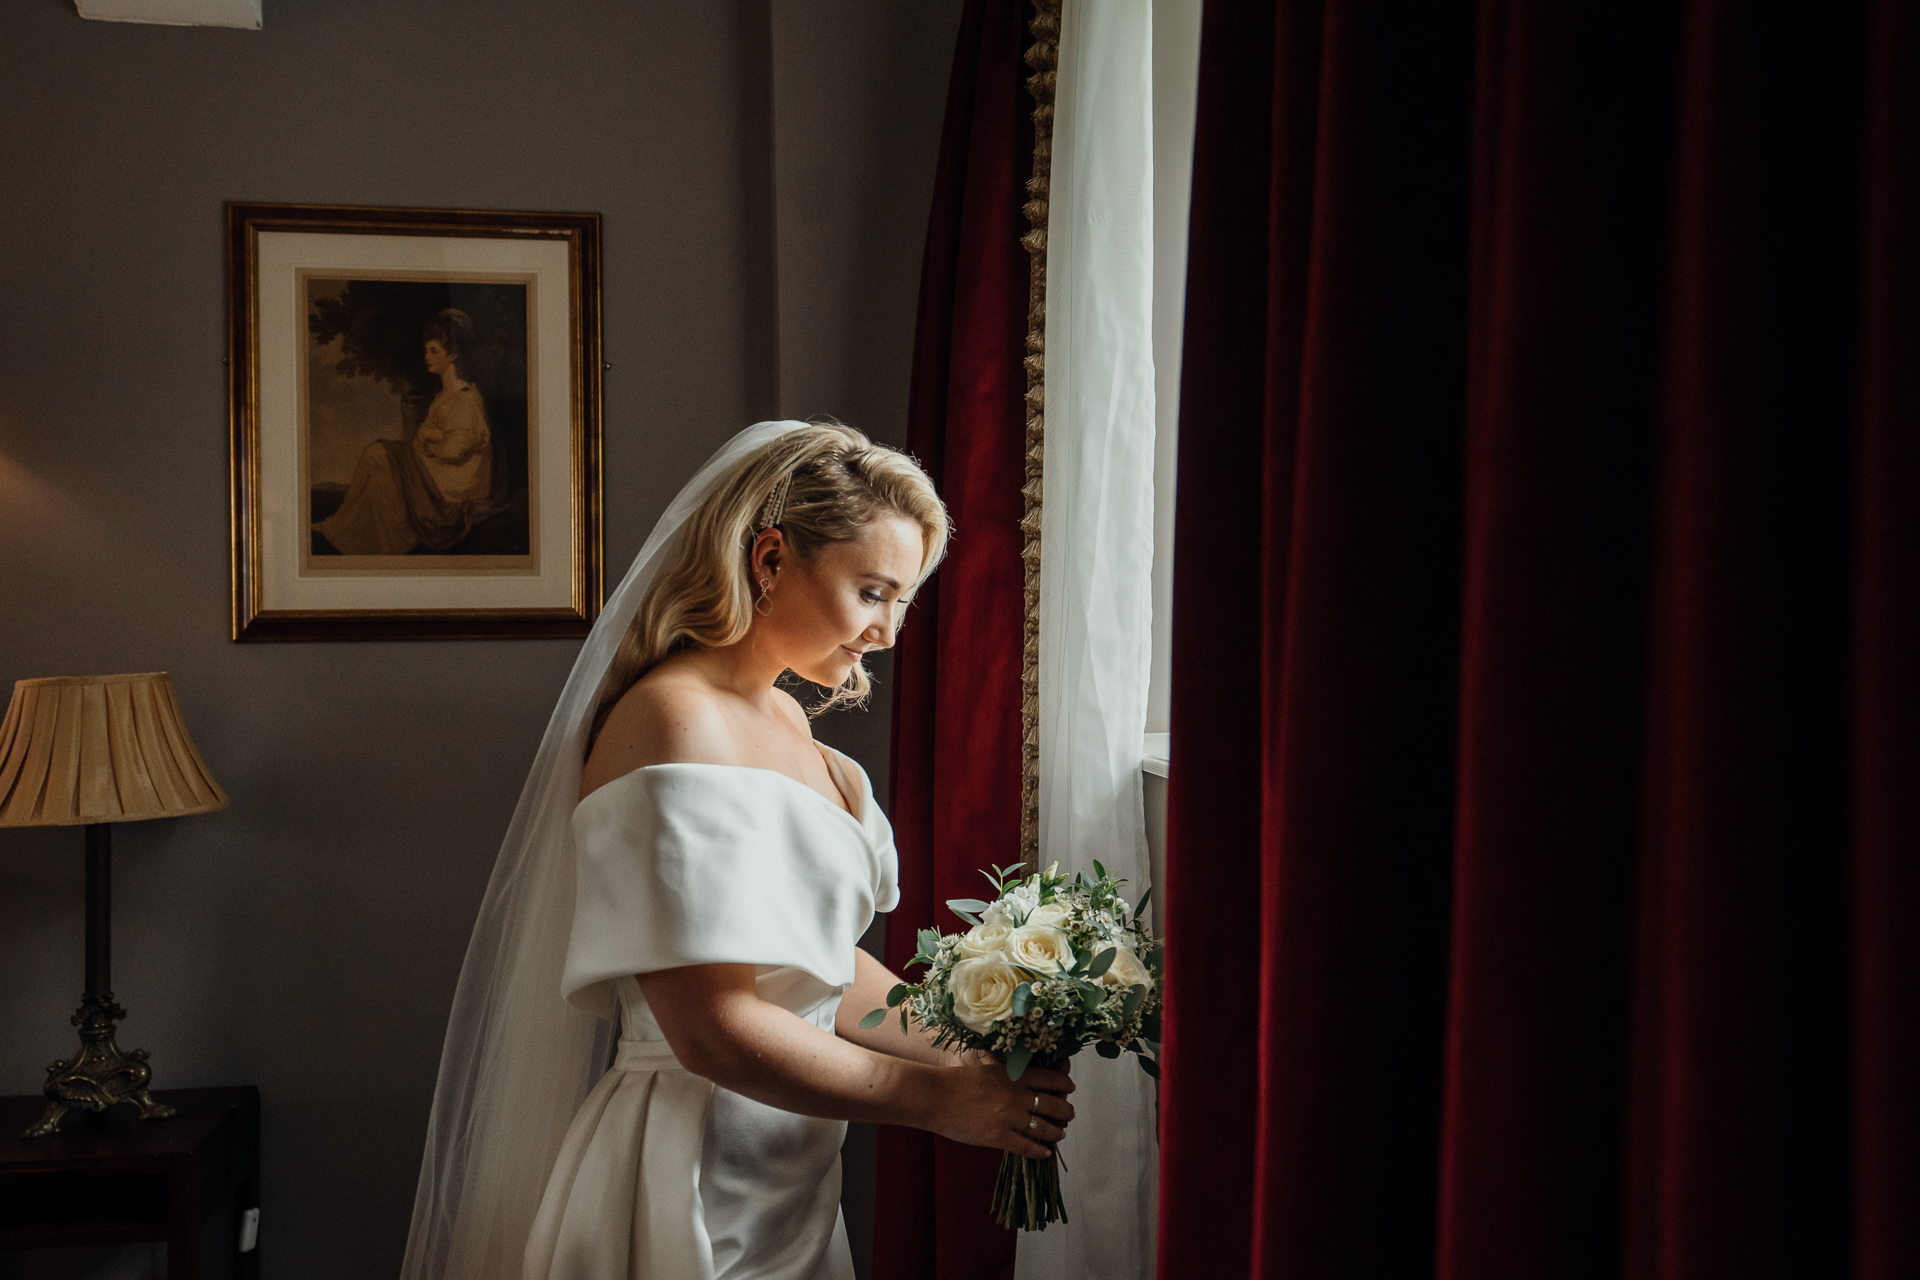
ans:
x=667 y=717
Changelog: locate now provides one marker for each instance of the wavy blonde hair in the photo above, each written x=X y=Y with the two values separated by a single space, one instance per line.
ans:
x=836 y=483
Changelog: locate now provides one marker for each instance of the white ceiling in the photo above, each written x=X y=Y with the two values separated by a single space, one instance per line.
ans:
x=175 y=13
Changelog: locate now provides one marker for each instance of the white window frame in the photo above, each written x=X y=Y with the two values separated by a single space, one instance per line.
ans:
x=1176 y=75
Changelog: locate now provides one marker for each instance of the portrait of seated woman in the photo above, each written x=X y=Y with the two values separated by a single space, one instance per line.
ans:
x=454 y=482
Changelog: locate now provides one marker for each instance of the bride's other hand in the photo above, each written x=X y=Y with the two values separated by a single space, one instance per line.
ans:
x=988 y=1110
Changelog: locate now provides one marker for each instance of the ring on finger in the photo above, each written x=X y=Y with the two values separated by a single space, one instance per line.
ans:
x=1036 y=1104
x=1031 y=1121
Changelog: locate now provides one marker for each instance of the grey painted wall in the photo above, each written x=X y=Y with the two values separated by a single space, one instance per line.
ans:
x=763 y=171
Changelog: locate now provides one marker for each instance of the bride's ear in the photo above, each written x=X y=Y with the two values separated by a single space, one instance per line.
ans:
x=769 y=547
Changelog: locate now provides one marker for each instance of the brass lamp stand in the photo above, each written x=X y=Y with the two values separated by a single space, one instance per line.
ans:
x=102 y=1073
x=99 y=750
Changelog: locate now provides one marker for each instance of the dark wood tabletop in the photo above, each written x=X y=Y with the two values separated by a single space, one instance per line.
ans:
x=114 y=1178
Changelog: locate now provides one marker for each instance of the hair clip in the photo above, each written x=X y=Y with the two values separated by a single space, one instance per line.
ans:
x=776 y=507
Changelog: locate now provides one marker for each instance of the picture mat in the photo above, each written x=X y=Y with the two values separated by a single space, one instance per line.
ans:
x=284 y=504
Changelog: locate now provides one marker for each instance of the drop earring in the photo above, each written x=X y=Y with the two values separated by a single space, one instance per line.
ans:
x=760 y=606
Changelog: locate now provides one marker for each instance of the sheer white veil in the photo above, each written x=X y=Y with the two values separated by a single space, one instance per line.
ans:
x=518 y=1059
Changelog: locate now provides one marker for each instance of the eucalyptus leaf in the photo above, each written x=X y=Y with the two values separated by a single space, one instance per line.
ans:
x=1082 y=957
x=964 y=905
x=1106 y=1049
x=998 y=877
x=874 y=1019
x=1017 y=1062
x=1141 y=905
x=903 y=1019
x=929 y=944
x=1149 y=1066
x=1103 y=962
x=1131 y=1006
x=1150 y=1025
x=899 y=993
x=1090 y=997
x=1022 y=999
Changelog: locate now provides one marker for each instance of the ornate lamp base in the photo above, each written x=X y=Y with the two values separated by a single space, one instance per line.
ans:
x=101 y=1075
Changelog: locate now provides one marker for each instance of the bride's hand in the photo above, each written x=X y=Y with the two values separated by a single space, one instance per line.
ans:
x=988 y=1110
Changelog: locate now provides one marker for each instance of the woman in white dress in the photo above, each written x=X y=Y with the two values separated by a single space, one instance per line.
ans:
x=428 y=492
x=722 y=865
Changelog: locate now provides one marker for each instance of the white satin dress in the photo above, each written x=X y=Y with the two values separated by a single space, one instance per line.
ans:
x=664 y=1175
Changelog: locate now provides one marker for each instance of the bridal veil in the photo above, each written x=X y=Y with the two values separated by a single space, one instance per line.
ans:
x=518 y=1058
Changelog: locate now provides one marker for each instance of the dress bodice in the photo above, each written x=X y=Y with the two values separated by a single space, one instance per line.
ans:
x=679 y=864
x=453 y=443
x=664 y=1175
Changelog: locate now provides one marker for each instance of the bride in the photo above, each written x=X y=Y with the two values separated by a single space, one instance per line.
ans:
x=687 y=862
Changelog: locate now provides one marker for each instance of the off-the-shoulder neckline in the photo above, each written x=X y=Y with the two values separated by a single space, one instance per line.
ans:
x=859 y=820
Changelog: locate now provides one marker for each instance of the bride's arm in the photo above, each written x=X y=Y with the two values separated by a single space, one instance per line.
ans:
x=720 y=1029
x=871 y=982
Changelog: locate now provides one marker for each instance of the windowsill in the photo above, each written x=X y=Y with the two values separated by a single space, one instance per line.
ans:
x=1156 y=762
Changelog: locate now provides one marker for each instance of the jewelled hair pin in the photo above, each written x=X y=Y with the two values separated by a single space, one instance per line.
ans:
x=776 y=503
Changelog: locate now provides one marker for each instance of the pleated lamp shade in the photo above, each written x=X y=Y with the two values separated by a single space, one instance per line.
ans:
x=79 y=749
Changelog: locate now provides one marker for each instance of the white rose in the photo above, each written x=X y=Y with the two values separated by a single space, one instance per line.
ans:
x=982 y=992
x=1039 y=947
x=988 y=938
x=1127 y=971
x=1050 y=913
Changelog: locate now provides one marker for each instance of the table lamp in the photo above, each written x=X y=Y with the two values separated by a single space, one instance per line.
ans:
x=99 y=750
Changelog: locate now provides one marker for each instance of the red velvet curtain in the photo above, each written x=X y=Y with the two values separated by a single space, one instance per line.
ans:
x=1886 y=668
x=1542 y=895
x=956 y=698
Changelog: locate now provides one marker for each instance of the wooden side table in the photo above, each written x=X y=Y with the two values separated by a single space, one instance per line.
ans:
x=114 y=1178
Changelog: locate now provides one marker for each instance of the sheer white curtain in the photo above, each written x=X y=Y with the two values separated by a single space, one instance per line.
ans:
x=1096 y=582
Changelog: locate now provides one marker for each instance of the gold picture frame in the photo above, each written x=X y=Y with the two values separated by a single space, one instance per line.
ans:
x=415 y=422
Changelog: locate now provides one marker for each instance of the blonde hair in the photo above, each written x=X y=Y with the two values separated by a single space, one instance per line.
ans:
x=835 y=483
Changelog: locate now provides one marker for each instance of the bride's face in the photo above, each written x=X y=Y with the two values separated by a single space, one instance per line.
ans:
x=823 y=613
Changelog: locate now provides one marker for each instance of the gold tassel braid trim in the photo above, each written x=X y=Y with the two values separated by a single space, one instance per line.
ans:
x=1043 y=55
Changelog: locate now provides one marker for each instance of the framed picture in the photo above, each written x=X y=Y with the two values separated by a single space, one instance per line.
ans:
x=415 y=416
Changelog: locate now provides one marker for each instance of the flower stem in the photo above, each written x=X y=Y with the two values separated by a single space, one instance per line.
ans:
x=1027 y=1193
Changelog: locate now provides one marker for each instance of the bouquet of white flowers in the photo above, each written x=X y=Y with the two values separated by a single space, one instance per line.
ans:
x=1050 y=965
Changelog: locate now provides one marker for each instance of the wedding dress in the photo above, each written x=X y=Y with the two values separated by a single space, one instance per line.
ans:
x=665 y=1176
x=539 y=1159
